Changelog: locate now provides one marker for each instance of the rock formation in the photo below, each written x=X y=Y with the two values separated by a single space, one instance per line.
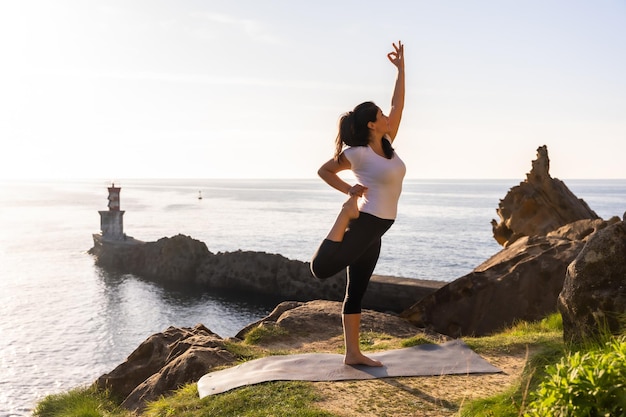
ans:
x=538 y=205
x=168 y=260
x=543 y=227
x=593 y=299
x=182 y=260
x=521 y=282
x=164 y=362
x=321 y=320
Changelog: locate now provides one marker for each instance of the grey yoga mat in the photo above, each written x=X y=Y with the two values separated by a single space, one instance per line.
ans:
x=453 y=357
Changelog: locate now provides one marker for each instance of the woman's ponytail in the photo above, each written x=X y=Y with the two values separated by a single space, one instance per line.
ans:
x=345 y=134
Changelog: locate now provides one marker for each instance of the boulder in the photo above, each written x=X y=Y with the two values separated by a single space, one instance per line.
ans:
x=521 y=282
x=186 y=368
x=318 y=320
x=593 y=298
x=538 y=205
x=165 y=362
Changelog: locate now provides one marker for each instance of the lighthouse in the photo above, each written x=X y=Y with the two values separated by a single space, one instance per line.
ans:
x=111 y=221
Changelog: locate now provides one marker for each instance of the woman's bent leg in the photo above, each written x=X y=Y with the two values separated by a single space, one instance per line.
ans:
x=331 y=257
x=349 y=211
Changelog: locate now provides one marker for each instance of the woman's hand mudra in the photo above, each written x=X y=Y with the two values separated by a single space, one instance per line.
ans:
x=397 y=57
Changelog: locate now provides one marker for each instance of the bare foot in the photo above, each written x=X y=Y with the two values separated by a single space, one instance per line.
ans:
x=360 y=359
x=351 y=208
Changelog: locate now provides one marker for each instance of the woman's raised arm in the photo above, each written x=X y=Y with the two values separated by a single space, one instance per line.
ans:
x=397 y=101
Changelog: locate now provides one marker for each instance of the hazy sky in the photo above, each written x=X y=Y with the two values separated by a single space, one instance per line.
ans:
x=254 y=89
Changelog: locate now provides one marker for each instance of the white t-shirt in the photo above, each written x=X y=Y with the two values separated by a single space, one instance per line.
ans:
x=382 y=177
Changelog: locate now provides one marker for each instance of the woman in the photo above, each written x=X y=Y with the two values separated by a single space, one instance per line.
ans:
x=355 y=238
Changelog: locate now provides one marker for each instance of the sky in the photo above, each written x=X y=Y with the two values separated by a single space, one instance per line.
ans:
x=254 y=89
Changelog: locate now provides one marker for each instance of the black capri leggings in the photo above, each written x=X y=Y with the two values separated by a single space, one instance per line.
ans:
x=359 y=251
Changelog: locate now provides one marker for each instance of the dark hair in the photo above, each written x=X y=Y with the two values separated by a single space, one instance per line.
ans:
x=353 y=129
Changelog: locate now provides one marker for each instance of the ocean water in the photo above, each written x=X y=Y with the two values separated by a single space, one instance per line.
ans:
x=64 y=321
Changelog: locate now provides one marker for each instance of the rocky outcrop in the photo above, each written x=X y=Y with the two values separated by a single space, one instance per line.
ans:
x=178 y=356
x=271 y=274
x=521 y=282
x=593 y=299
x=268 y=274
x=538 y=205
x=182 y=260
x=321 y=320
x=168 y=260
x=543 y=227
x=164 y=362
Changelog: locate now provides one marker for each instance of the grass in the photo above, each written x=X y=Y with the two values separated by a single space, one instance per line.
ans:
x=285 y=399
x=80 y=402
x=541 y=341
x=544 y=337
x=542 y=334
x=416 y=341
x=264 y=332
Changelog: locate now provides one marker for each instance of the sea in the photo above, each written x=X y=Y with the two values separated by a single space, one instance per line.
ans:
x=64 y=321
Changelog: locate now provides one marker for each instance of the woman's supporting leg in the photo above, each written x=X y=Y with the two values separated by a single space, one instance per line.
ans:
x=359 y=274
x=351 y=335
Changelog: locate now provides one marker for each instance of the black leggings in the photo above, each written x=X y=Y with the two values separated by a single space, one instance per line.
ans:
x=358 y=251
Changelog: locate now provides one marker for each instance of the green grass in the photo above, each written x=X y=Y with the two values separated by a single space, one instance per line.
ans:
x=284 y=399
x=243 y=352
x=543 y=333
x=416 y=341
x=546 y=339
x=80 y=402
x=264 y=332
x=374 y=341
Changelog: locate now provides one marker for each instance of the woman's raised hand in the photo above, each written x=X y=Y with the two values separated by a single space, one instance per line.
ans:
x=397 y=56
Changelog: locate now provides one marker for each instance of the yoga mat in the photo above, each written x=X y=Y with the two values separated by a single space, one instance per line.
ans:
x=449 y=358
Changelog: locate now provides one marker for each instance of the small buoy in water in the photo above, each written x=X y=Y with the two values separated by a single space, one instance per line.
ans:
x=199 y=195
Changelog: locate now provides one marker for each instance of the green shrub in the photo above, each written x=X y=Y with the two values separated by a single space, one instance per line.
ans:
x=591 y=383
